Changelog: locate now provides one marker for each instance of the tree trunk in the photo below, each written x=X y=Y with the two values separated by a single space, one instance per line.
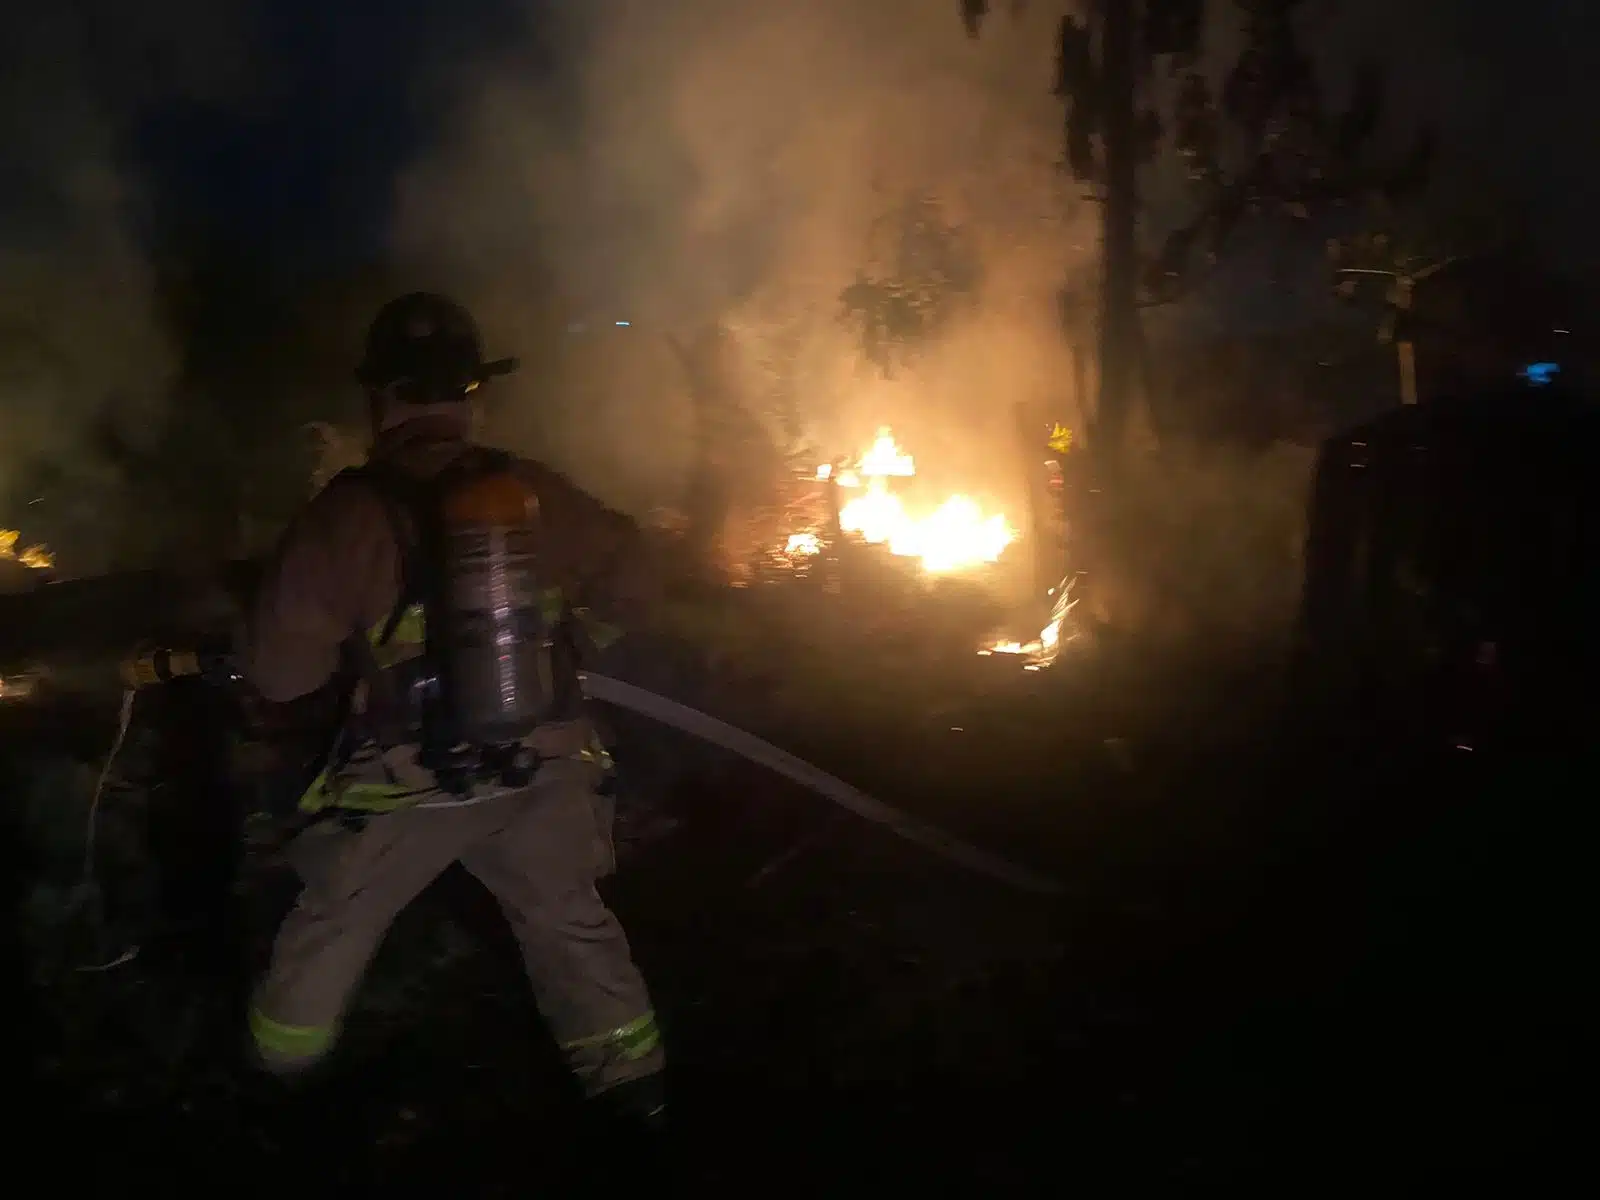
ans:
x=1082 y=409
x=1045 y=534
x=707 y=503
x=1119 y=314
x=1405 y=349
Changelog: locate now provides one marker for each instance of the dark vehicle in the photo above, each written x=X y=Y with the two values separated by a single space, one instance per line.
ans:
x=1450 y=585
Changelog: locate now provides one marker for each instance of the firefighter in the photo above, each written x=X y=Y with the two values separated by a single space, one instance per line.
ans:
x=386 y=818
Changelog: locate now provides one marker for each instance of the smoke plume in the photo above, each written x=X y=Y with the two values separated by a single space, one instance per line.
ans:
x=84 y=352
x=717 y=162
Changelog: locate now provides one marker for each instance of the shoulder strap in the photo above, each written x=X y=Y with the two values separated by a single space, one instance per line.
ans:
x=412 y=508
x=406 y=502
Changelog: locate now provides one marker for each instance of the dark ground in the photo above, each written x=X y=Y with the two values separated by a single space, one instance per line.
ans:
x=1288 y=957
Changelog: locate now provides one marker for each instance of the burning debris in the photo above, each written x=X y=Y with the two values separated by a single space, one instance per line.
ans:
x=954 y=535
x=937 y=538
x=1040 y=652
x=37 y=558
x=803 y=544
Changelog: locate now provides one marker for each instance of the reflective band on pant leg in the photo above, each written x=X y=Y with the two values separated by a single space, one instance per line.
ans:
x=289 y=1046
x=633 y=1040
x=605 y=1059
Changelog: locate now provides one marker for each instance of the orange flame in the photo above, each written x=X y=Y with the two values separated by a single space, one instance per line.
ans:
x=38 y=558
x=956 y=535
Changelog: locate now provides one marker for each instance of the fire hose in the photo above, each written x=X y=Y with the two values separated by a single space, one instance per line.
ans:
x=747 y=746
x=163 y=665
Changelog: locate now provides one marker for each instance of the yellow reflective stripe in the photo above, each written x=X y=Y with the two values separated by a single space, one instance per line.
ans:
x=412 y=627
x=596 y=752
x=290 y=1041
x=394 y=653
x=356 y=796
x=378 y=797
x=410 y=630
x=316 y=797
x=600 y=633
x=633 y=1040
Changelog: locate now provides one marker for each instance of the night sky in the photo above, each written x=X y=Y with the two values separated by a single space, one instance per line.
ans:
x=341 y=97
x=1511 y=87
x=279 y=130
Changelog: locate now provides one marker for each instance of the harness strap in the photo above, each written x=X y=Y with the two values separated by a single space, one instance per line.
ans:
x=411 y=506
x=403 y=503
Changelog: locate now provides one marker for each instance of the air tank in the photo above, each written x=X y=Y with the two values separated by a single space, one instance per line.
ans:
x=490 y=641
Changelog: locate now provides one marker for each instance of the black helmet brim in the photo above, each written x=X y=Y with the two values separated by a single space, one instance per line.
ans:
x=430 y=344
x=496 y=368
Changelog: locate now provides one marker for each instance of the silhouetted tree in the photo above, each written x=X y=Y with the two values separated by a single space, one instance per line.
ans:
x=1292 y=152
x=921 y=272
x=1400 y=250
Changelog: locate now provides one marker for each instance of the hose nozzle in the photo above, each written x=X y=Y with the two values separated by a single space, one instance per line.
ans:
x=159 y=665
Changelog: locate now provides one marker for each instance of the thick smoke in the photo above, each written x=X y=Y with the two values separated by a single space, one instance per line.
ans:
x=85 y=355
x=718 y=161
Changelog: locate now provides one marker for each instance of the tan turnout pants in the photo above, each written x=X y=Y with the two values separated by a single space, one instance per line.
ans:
x=539 y=851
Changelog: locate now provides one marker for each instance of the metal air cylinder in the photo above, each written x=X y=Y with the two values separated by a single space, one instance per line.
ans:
x=491 y=639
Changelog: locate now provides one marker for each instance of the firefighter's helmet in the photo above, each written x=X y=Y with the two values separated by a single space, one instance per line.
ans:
x=429 y=345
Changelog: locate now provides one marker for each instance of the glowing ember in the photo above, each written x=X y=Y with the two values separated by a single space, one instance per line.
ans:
x=1041 y=651
x=36 y=557
x=955 y=536
x=1049 y=638
x=803 y=543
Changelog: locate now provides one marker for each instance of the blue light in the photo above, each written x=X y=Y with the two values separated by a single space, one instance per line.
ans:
x=1540 y=374
x=623 y=324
